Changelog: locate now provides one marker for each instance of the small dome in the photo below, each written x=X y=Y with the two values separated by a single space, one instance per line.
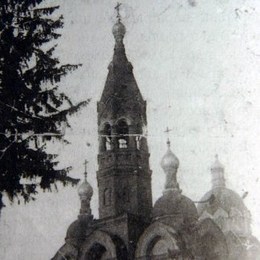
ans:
x=85 y=190
x=175 y=204
x=169 y=160
x=118 y=30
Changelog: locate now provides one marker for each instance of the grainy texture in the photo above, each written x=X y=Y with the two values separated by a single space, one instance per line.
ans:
x=197 y=67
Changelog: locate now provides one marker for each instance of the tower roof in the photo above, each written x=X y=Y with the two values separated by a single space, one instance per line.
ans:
x=121 y=90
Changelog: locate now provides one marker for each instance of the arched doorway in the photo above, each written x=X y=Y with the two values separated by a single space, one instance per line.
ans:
x=97 y=252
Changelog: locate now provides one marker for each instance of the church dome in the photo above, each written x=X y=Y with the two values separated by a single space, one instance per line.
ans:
x=85 y=190
x=169 y=160
x=221 y=197
x=174 y=203
x=75 y=230
x=118 y=30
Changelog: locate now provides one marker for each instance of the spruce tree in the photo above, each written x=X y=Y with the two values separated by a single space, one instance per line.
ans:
x=32 y=109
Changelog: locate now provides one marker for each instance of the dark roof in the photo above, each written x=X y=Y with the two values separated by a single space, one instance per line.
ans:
x=172 y=204
x=121 y=93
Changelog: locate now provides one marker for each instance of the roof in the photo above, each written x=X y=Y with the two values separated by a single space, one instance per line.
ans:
x=121 y=94
x=221 y=197
x=172 y=204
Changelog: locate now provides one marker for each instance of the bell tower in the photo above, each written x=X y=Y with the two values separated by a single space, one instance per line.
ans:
x=124 y=175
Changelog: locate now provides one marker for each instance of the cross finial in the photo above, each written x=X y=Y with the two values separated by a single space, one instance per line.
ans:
x=117 y=7
x=167 y=131
x=85 y=172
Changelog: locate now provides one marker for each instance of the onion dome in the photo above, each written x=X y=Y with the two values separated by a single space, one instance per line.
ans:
x=77 y=230
x=118 y=30
x=85 y=190
x=169 y=160
x=173 y=207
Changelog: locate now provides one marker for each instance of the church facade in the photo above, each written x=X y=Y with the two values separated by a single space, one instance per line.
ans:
x=129 y=225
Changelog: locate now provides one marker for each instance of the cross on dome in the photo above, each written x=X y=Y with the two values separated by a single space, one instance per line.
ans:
x=117 y=7
x=167 y=131
x=85 y=172
x=85 y=190
x=118 y=28
x=169 y=161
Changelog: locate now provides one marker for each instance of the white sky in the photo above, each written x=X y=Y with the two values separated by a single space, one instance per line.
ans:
x=197 y=67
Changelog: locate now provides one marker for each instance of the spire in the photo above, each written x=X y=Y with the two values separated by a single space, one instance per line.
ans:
x=121 y=87
x=170 y=165
x=217 y=172
x=85 y=192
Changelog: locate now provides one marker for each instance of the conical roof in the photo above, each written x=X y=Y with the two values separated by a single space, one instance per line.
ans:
x=121 y=95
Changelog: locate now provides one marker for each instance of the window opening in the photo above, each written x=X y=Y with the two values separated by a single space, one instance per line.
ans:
x=122 y=133
x=107 y=139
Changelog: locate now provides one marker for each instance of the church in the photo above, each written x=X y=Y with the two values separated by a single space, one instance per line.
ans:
x=130 y=226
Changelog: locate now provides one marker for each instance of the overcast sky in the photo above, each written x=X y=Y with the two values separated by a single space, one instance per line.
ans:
x=196 y=63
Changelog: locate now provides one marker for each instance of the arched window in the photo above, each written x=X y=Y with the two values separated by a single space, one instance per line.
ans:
x=122 y=134
x=107 y=197
x=106 y=137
